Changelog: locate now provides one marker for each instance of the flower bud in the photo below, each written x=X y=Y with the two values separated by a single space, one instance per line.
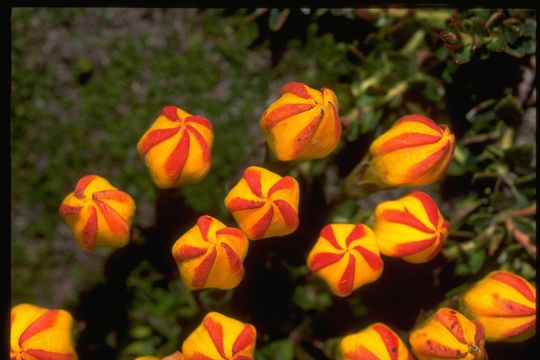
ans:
x=174 y=356
x=303 y=123
x=98 y=213
x=210 y=255
x=411 y=227
x=264 y=204
x=40 y=333
x=448 y=334
x=177 y=148
x=346 y=257
x=376 y=342
x=505 y=304
x=220 y=337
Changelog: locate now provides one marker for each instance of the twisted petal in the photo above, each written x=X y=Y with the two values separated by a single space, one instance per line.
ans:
x=346 y=257
x=411 y=227
x=177 y=148
x=505 y=304
x=210 y=255
x=98 y=213
x=264 y=204
x=448 y=334
x=303 y=123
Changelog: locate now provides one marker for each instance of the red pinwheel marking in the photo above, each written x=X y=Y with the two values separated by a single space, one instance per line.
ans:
x=519 y=329
x=215 y=331
x=437 y=249
x=262 y=225
x=405 y=218
x=427 y=164
x=284 y=183
x=451 y=322
x=408 y=140
x=203 y=223
x=199 y=356
x=421 y=119
x=515 y=282
x=253 y=179
x=358 y=232
x=89 y=231
x=322 y=260
x=281 y=113
x=246 y=338
x=234 y=260
x=82 y=184
x=177 y=159
x=231 y=231
x=362 y=353
x=117 y=224
x=512 y=308
x=479 y=334
x=429 y=205
x=188 y=252
x=237 y=204
x=295 y=88
x=346 y=282
x=327 y=233
x=205 y=150
x=202 y=271
x=66 y=210
x=170 y=112
x=374 y=262
x=112 y=195
x=154 y=137
x=411 y=248
x=46 y=321
x=307 y=133
x=199 y=120
x=434 y=348
x=390 y=340
x=49 y=355
x=287 y=212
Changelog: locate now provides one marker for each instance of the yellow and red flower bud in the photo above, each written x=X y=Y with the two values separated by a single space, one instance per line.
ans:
x=220 y=337
x=264 y=204
x=411 y=228
x=303 y=123
x=376 y=342
x=39 y=333
x=177 y=148
x=505 y=304
x=414 y=151
x=174 y=356
x=210 y=255
x=447 y=334
x=346 y=257
x=98 y=213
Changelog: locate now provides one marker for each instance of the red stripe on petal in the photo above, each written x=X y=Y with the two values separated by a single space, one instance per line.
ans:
x=202 y=271
x=112 y=195
x=231 y=231
x=411 y=248
x=327 y=233
x=337 y=122
x=516 y=282
x=199 y=356
x=237 y=204
x=427 y=164
x=437 y=249
x=46 y=321
x=203 y=223
x=405 y=218
x=390 y=340
x=89 y=231
x=346 y=282
x=82 y=184
x=322 y=260
x=246 y=338
x=215 y=331
x=281 y=113
x=259 y=229
x=199 y=120
x=177 y=159
x=155 y=137
x=205 y=149
x=479 y=334
x=358 y=232
x=362 y=353
x=512 y=308
x=66 y=210
x=243 y=357
x=287 y=212
x=451 y=322
x=434 y=348
x=188 y=252
x=407 y=140
x=374 y=261
x=519 y=329
x=49 y=355
x=295 y=88
x=170 y=112
x=284 y=183
x=117 y=224
x=432 y=210
x=421 y=119
x=253 y=179
x=307 y=133
x=234 y=260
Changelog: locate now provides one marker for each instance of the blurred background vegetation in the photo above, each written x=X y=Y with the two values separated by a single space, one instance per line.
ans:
x=87 y=83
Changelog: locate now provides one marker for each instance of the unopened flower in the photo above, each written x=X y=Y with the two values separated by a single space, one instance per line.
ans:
x=98 y=213
x=303 y=123
x=346 y=257
x=376 y=342
x=220 y=337
x=411 y=227
x=177 y=148
x=505 y=304
x=39 y=333
x=264 y=204
x=210 y=255
x=448 y=335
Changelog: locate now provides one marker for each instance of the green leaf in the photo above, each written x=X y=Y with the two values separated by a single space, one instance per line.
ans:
x=477 y=259
x=277 y=18
x=276 y=350
x=529 y=27
x=463 y=55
